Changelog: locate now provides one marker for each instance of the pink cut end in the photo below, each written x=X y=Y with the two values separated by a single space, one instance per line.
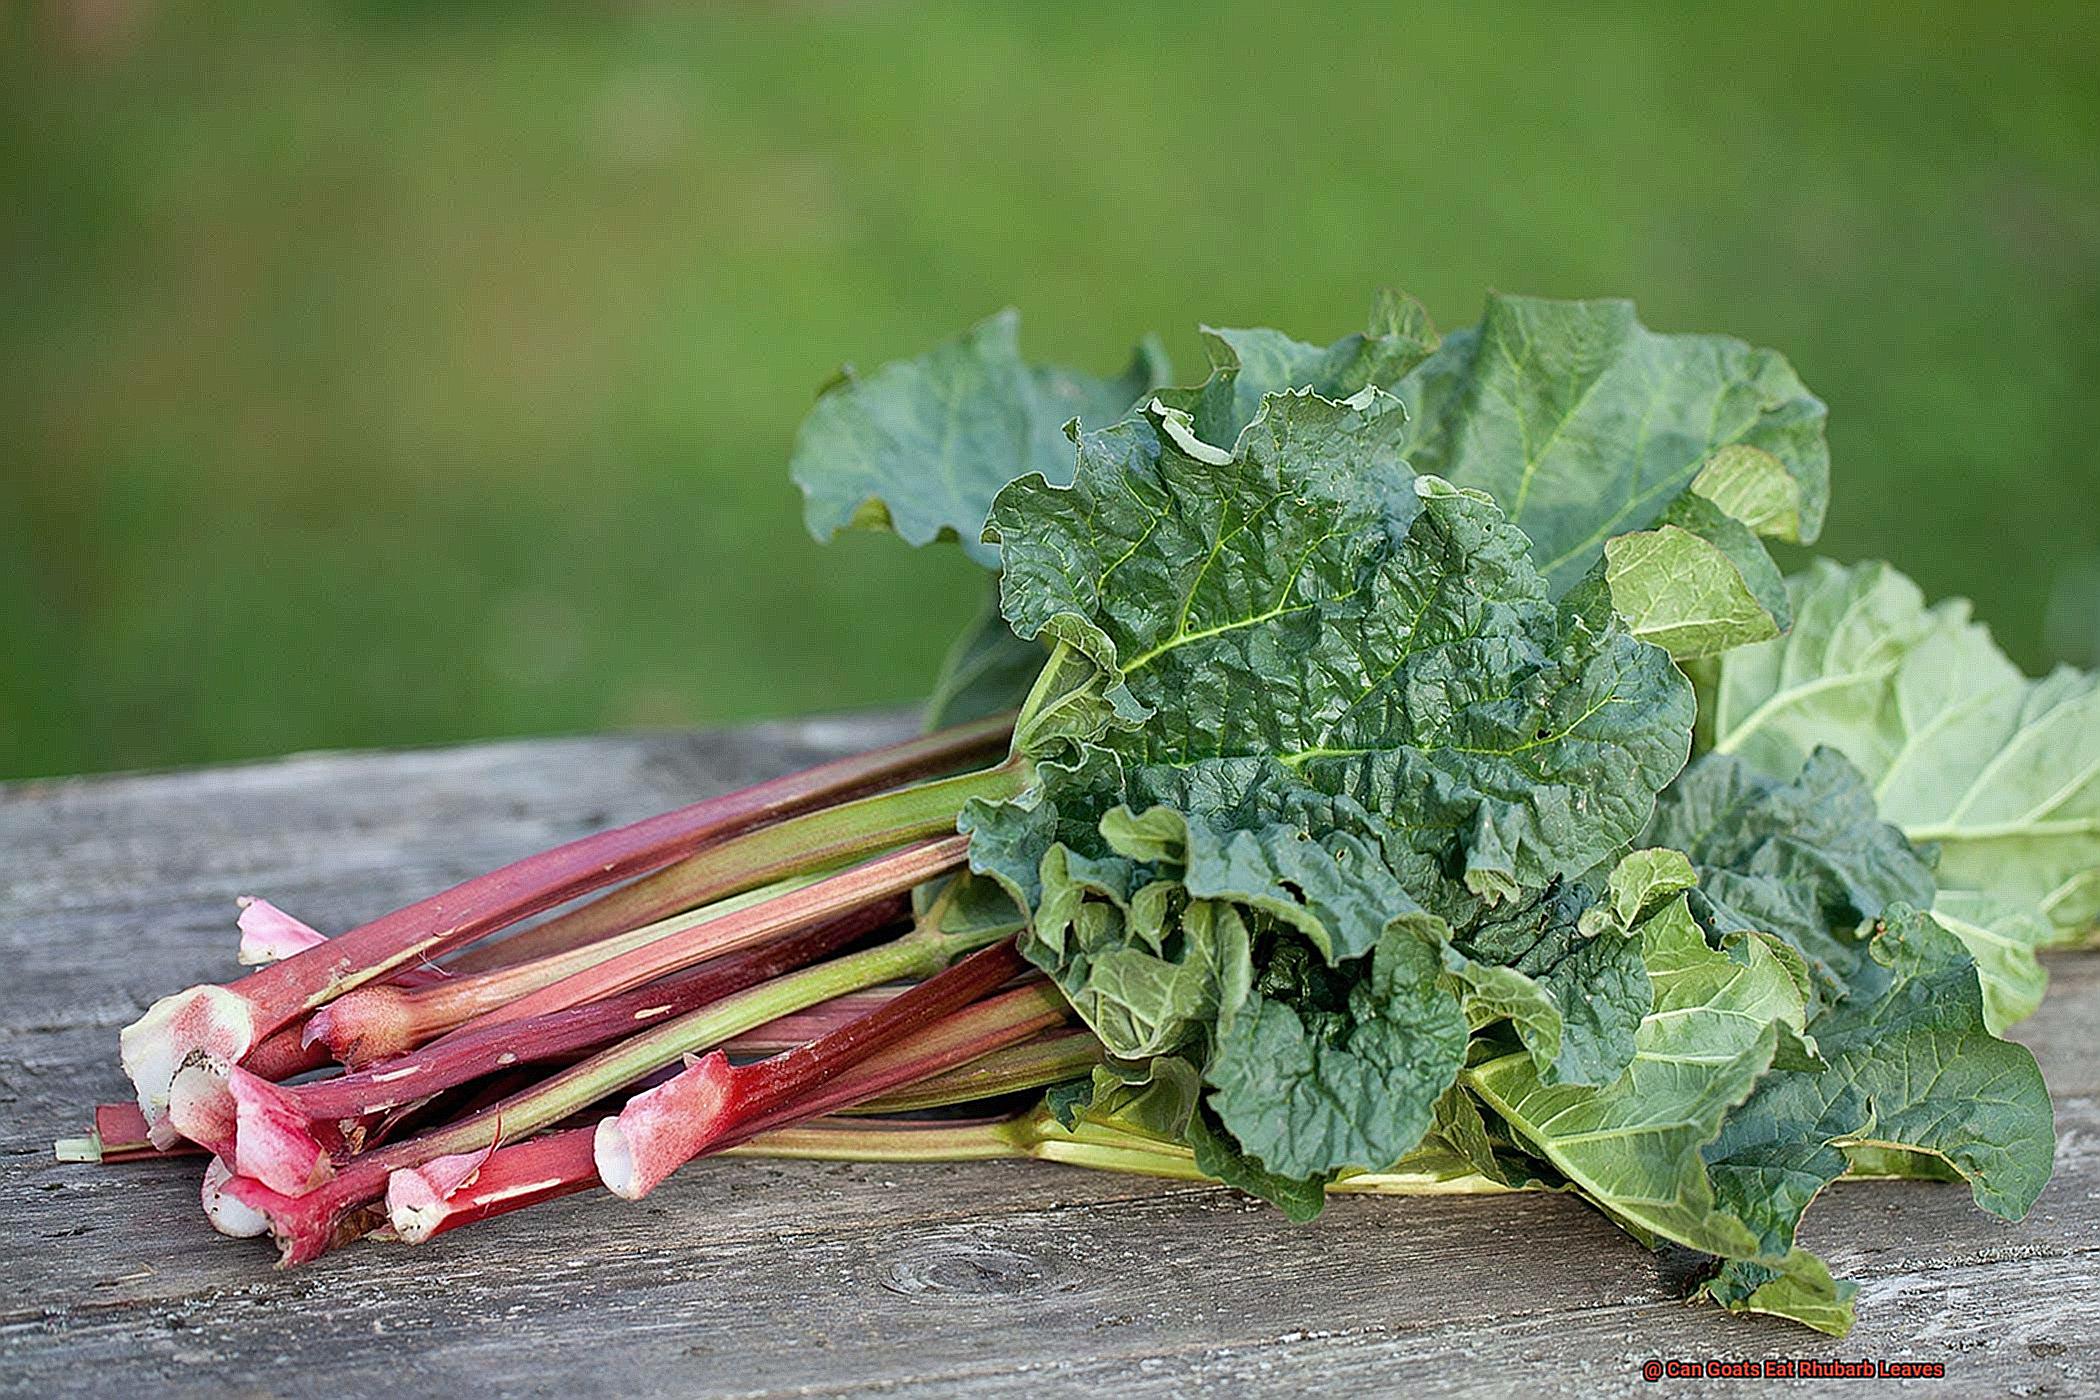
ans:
x=416 y=1196
x=303 y=1226
x=662 y=1129
x=268 y=934
x=201 y=1109
x=227 y=1215
x=273 y=1140
x=209 y=1026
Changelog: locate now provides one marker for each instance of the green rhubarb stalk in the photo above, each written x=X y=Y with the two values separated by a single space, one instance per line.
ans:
x=825 y=839
x=1038 y=1135
x=1054 y=1059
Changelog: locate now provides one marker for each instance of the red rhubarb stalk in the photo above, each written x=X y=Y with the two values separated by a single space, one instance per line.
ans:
x=269 y=1146
x=801 y=1027
x=476 y=1050
x=221 y=1024
x=443 y=1195
x=837 y=894
x=380 y=1021
x=715 y=1103
x=307 y=1225
x=1038 y=1064
x=454 y=1191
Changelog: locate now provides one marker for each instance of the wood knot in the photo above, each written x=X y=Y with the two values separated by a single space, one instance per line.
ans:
x=965 y=1268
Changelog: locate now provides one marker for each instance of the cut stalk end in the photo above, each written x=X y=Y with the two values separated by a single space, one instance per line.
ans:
x=209 y=1026
x=228 y=1215
x=417 y=1197
x=78 y=1149
x=662 y=1129
x=274 y=1140
x=201 y=1109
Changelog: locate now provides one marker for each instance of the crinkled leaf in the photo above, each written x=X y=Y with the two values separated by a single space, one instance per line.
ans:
x=1323 y=1068
x=1573 y=987
x=1217 y=1155
x=1299 y=606
x=2000 y=772
x=1806 y=859
x=1719 y=1019
x=1585 y=424
x=1911 y=1065
x=922 y=445
x=1254 y=836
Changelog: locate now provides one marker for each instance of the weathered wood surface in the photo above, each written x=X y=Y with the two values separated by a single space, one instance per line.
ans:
x=759 y=1279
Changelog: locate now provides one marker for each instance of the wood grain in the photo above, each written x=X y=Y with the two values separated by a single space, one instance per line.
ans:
x=773 y=1279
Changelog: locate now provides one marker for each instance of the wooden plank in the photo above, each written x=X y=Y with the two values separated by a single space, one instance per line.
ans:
x=761 y=1279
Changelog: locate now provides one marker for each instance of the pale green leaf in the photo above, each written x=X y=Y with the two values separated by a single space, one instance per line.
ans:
x=2000 y=772
x=1634 y=1146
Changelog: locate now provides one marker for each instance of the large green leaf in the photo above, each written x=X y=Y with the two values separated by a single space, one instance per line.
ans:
x=2000 y=772
x=1332 y=708
x=1306 y=605
x=1720 y=1019
x=1911 y=1065
x=1585 y=424
x=922 y=445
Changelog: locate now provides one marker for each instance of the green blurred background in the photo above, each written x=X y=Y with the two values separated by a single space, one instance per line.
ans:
x=389 y=374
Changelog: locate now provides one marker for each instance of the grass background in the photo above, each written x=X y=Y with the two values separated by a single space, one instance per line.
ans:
x=374 y=374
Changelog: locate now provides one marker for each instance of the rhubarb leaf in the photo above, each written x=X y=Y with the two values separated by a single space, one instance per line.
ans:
x=1911 y=1065
x=1343 y=712
x=1585 y=424
x=921 y=446
x=1247 y=365
x=2000 y=772
x=1697 y=584
x=1566 y=972
x=1799 y=1287
x=1305 y=605
x=1806 y=859
x=1322 y=1068
x=2002 y=935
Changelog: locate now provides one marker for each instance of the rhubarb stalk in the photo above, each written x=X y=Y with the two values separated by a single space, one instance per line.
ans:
x=715 y=1103
x=838 y=894
x=476 y=1050
x=380 y=1021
